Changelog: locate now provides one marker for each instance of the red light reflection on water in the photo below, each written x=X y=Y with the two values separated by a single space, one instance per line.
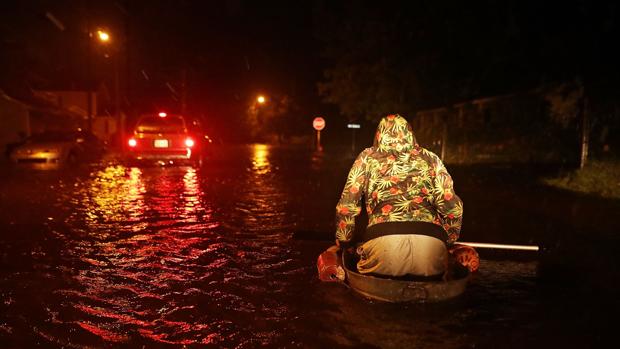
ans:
x=101 y=312
x=148 y=239
x=104 y=334
x=191 y=194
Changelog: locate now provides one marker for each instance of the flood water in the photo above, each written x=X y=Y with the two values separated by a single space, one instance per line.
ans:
x=110 y=255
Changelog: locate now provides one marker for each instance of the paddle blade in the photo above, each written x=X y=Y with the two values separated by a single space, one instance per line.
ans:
x=466 y=256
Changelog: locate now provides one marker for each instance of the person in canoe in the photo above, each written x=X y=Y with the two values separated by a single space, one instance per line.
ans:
x=413 y=211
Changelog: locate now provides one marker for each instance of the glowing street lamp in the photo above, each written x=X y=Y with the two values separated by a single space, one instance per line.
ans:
x=103 y=36
x=260 y=99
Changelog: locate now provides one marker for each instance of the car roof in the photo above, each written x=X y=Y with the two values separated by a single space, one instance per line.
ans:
x=153 y=123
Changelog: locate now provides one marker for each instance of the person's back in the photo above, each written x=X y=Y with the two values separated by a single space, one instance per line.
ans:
x=412 y=208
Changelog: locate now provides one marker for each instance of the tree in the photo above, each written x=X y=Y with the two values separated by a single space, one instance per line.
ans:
x=400 y=57
x=395 y=59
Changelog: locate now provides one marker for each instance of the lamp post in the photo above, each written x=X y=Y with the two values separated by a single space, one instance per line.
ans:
x=105 y=38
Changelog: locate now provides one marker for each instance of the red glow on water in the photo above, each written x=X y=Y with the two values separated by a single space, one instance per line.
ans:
x=160 y=337
x=132 y=275
x=100 y=312
x=104 y=334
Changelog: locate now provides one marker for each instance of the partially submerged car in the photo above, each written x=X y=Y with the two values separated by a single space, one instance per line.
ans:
x=165 y=139
x=58 y=148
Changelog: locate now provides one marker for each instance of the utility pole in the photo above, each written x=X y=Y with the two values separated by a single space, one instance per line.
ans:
x=89 y=73
x=585 y=133
x=117 y=97
x=184 y=90
x=127 y=81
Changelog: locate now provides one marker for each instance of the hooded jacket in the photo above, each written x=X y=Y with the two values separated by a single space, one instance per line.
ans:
x=401 y=182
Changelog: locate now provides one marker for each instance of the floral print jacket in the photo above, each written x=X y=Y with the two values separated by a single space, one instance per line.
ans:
x=400 y=181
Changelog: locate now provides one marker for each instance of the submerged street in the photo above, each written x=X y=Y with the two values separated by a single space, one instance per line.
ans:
x=111 y=255
x=172 y=170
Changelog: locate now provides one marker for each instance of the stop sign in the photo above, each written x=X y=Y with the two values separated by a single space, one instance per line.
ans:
x=318 y=123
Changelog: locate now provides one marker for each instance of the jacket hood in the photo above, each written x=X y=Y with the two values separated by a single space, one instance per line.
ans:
x=394 y=134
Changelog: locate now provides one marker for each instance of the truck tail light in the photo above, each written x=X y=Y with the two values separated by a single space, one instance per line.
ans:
x=189 y=142
x=132 y=142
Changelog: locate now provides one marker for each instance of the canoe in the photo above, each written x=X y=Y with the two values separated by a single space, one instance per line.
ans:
x=397 y=290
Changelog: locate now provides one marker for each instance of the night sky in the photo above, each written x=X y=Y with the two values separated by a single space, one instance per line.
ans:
x=226 y=52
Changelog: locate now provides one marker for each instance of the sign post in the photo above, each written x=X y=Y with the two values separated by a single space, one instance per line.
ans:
x=318 y=123
x=353 y=127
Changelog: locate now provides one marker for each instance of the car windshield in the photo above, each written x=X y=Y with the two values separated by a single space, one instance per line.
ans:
x=54 y=137
x=158 y=124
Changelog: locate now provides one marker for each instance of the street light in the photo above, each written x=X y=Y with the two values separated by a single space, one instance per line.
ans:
x=103 y=36
x=255 y=114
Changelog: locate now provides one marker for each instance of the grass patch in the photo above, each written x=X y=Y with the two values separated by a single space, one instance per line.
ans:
x=601 y=178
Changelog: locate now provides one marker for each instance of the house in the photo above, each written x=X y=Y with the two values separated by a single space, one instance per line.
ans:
x=20 y=118
x=14 y=120
x=76 y=102
x=512 y=128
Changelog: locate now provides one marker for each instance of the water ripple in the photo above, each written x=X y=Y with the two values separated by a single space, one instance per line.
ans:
x=150 y=254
